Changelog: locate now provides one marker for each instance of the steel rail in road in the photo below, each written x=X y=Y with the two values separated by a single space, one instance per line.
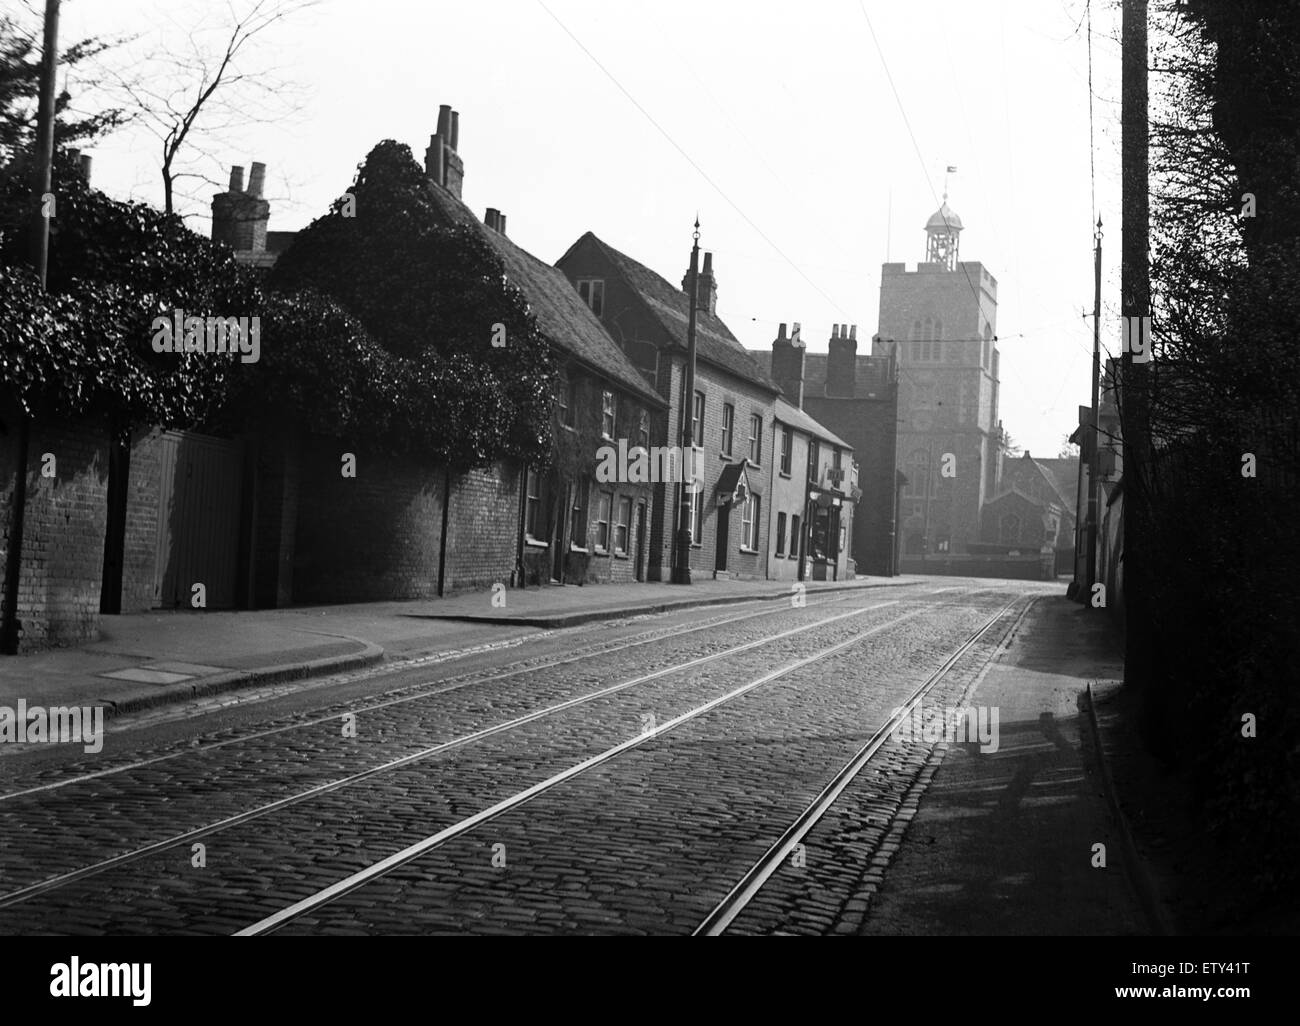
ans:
x=717 y=921
x=414 y=851
x=441 y=687
x=23 y=894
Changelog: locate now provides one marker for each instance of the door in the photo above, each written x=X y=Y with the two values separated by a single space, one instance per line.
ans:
x=199 y=491
x=724 y=524
x=640 y=542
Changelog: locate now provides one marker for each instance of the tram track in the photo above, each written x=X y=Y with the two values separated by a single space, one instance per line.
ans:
x=142 y=852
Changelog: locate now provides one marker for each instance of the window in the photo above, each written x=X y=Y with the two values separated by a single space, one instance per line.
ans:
x=532 y=506
x=749 y=523
x=592 y=291
x=795 y=538
x=838 y=461
x=643 y=431
x=787 y=448
x=607 y=408
x=578 y=515
x=697 y=516
x=728 y=427
x=602 y=520
x=755 y=438
x=780 y=534
x=697 y=419
x=571 y=405
x=814 y=459
x=623 y=526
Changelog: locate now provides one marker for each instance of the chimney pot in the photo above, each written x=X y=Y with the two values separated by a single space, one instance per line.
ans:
x=236 y=179
x=256 y=178
x=501 y=223
x=853 y=332
x=794 y=335
x=455 y=131
x=835 y=331
x=85 y=167
x=781 y=331
x=444 y=121
x=492 y=218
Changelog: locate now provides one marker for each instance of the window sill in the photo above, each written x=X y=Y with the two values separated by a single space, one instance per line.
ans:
x=578 y=548
x=533 y=543
x=620 y=555
x=598 y=551
x=782 y=473
x=749 y=552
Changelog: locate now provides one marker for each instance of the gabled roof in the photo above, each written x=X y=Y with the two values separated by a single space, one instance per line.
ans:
x=567 y=321
x=870 y=375
x=1014 y=492
x=670 y=306
x=788 y=413
x=1064 y=474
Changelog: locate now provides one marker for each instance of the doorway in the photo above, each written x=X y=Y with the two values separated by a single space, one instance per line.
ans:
x=640 y=542
x=724 y=523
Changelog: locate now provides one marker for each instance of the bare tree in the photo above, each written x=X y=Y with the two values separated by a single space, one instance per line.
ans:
x=189 y=99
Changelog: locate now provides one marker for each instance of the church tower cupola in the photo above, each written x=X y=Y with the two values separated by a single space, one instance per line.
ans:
x=942 y=234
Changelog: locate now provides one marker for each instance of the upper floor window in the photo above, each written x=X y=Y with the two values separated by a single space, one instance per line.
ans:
x=814 y=460
x=728 y=428
x=755 y=438
x=607 y=409
x=697 y=420
x=643 y=430
x=592 y=291
x=787 y=449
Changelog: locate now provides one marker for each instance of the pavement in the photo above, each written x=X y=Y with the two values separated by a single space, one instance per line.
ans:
x=1026 y=839
x=146 y=660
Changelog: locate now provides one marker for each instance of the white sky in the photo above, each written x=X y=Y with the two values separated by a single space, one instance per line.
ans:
x=786 y=108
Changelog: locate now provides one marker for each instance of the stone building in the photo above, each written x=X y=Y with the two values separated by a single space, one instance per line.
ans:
x=940 y=322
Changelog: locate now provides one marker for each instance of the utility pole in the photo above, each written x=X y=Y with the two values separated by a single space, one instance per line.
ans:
x=41 y=178
x=1094 y=457
x=682 y=552
x=1135 y=300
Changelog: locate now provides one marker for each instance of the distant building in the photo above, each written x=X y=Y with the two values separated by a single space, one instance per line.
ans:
x=856 y=397
x=940 y=321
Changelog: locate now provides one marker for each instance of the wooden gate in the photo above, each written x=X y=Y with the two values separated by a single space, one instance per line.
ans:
x=199 y=494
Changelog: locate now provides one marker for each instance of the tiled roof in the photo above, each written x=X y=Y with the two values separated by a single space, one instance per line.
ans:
x=870 y=379
x=714 y=341
x=1064 y=474
x=560 y=311
x=787 y=413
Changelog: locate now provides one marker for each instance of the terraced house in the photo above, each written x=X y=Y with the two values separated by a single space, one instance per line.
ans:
x=731 y=413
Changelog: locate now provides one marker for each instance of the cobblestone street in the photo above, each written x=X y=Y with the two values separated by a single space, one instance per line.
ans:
x=635 y=776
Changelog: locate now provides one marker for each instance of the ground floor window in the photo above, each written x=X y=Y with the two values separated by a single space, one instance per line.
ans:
x=603 y=512
x=749 y=523
x=623 y=526
x=796 y=539
x=780 y=534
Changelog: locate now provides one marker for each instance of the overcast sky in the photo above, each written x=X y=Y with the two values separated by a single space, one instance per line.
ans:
x=776 y=122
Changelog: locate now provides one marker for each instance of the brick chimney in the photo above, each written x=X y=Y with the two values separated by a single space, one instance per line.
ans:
x=787 y=365
x=707 y=293
x=842 y=364
x=441 y=161
x=239 y=217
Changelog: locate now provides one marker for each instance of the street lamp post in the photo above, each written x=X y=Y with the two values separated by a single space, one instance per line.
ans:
x=682 y=551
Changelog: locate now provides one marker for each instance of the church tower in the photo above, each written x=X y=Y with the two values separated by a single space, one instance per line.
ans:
x=941 y=322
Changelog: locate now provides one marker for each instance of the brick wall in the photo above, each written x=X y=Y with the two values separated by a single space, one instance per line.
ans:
x=482 y=528
x=139 y=564
x=376 y=537
x=63 y=536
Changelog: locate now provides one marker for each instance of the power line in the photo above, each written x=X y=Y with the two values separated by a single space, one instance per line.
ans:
x=702 y=173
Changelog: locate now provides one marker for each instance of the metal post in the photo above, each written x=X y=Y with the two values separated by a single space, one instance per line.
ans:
x=682 y=552
x=1094 y=461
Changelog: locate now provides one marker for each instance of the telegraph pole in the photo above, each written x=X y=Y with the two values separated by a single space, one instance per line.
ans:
x=682 y=551
x=1135 y=300
x=42 y=158
x=1094 y=457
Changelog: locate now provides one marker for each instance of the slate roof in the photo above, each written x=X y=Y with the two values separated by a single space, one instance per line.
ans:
x=714 y=341
x=560 y=311
x=788 y=413
x=870 y=380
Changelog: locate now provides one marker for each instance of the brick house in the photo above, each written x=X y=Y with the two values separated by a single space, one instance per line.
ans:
x=814 y=489
x=856 y=398
x=573 y=528
x=732 y=410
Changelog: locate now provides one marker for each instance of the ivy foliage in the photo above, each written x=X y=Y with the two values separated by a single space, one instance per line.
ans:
x=432 y=297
